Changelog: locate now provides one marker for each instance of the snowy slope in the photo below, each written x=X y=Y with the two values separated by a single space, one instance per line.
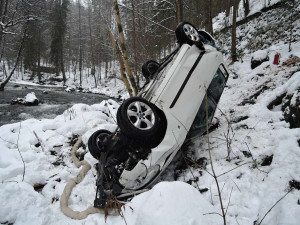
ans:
x=259 y=132
x=250 y=184
x=253 y=188
x=49 y=167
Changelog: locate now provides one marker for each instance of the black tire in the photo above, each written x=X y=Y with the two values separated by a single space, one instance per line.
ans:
x=149 y=68
x=187 y=33
x=95 y=142
x=207 y=36
x=141 y=134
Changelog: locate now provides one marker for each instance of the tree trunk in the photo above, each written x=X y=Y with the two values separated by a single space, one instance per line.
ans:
x=2 y=85
x=208 y=16
x=123 y=46
x=93 y=69
x=134 y=44
x=62 y=65
x=39 y=59
x=80 y=47
x=3 y=12
x=246 y=7
x=228 y=7
x=210 y=24
x=119 y=55
x=291 y=20
x=233 y=34
x=106 y=69
x=179 y=11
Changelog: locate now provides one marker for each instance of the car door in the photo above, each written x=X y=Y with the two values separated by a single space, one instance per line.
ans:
x=209 y=103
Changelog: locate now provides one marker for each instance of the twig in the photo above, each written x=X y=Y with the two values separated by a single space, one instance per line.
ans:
x=228 y=201
x=20 y=153
x=236 y=185
x=237 y=221
x=273 y=207
x=7 y=141
x=39 y=141
x=232 y=169
x=111 y=113
x=158 y=24
x=212 y=213
x=198 y=165
x=212 y=202
x=261 y=170
x=211 y=162
x=249 y=151
x=223 y=187
x=251 y=129
x=254 y=160
x=9 y=181
x=190 y=170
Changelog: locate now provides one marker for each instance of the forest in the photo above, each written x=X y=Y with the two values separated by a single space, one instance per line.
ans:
x=72 y=38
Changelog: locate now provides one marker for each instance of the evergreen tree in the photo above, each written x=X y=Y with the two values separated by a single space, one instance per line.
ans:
x=30 y=47
x=58 y=31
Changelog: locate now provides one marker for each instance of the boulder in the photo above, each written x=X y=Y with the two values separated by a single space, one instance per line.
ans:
x=291 y=109
x=258 y=58
x=29 y=100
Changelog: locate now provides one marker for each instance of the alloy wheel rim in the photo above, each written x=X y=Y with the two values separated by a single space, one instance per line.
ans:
x=141 y=115
x=191 y=32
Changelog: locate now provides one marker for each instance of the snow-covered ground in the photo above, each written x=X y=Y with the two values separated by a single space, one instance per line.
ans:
x=262 y=132
x=111 y=87
x=252 y=189
x=254 y=7
x=250 y=184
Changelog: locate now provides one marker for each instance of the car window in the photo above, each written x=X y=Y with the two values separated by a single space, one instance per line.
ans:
x=217 y=85
x=200 y=120
x=214 y=93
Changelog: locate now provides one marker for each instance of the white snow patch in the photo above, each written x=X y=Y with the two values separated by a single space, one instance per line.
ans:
x=260 y=55
x=30 y=97
x=173 y=203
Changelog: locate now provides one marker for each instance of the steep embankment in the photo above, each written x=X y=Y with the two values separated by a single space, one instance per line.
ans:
x=260 y=132
x=255 y=151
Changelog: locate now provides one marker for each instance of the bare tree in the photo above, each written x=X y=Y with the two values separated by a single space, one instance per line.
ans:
x=119 y=55
x=233 y=34
x=123 y=46
x=134 y=43
x=246 y=7
x=93 y=68
x=2 y=85
x=80 y=43
x=179 y=11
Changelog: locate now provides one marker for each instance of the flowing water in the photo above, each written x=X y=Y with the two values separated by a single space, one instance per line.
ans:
x=53 y=101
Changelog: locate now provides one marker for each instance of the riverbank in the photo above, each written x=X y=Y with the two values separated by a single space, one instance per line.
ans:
x=112 y=87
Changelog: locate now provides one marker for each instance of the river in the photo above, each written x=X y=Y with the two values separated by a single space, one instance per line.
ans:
x=54 y=101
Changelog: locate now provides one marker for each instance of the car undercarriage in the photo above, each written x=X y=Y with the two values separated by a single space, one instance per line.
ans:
x=170 y=109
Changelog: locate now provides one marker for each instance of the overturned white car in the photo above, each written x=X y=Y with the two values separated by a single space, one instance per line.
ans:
x=170 y=109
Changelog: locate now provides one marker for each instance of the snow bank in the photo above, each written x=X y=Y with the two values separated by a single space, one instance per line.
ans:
x=49 y=167
x=173 y=203
x=257 y=5
x=47 y=164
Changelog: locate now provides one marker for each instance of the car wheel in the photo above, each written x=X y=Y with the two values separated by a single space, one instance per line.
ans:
x=149 y=68
x=206 y=36
x=141 y=122
x=187 y=33
x=96 y=142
